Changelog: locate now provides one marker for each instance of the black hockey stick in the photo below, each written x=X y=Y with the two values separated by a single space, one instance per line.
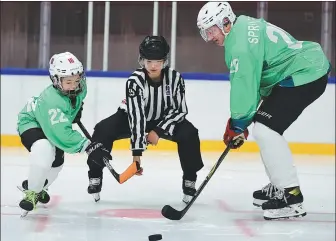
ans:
x=107 y=163
x=121 y=178
x=173 y=214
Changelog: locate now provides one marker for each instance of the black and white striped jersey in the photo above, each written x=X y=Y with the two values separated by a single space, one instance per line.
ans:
x=146 y=100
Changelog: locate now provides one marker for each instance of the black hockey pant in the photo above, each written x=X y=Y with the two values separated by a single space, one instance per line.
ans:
x=116 y=127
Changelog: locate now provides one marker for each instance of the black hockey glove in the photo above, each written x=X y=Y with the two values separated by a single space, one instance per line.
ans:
x=79 y=114
x=98 y=153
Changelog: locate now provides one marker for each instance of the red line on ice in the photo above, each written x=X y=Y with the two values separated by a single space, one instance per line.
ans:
x=240 y=223
x=244 y=228
x=42 y=221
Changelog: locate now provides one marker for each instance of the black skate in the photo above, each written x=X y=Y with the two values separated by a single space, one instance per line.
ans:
x=94 y=188
x=285 y=204
x=189 y=190
x=263 y=195
x=44 y=197
x=28 y=203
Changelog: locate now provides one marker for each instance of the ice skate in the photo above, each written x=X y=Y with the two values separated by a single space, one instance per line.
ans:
x=264 y=194
x=189 y=190
x=286 y=204
x=44 y=197
x=28 y=203
x=94 y=188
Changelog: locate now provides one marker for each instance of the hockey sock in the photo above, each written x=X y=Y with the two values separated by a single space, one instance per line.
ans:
x=276 y=156
x=52 y=175
x=41 y=156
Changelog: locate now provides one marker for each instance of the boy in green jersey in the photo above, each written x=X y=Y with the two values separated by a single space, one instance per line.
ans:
x=45 y=128
x=266 y=63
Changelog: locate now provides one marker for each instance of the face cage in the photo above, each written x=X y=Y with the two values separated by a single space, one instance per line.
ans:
x=219 y=24
x=142 y=64
x=71 y=93
x=204 y=35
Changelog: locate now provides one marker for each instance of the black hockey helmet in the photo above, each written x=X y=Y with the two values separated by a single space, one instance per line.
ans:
x=154 y=48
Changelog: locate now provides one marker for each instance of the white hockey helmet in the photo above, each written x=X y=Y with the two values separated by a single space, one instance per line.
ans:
x=214 y=13
x=64 y=65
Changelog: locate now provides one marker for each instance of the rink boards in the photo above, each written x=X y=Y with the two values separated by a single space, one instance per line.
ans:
x=208 y=105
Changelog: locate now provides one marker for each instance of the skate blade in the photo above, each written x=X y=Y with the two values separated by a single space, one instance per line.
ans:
x=292 y=212
x=258 y=203
x=285 y=218
x=96 y=197
x=21 y=188
x=24 y=214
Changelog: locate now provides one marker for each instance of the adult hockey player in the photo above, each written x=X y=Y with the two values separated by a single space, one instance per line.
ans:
x=155 y=104
x=45 y=128
x=266 y=62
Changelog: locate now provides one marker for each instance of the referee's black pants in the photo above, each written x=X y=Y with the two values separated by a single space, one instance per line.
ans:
x=116 y=127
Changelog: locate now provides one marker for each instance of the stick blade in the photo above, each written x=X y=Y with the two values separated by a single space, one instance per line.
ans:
x=129 y=172
x=171 y=213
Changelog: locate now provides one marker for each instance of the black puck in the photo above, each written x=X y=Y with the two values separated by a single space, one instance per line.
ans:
x=154 y=237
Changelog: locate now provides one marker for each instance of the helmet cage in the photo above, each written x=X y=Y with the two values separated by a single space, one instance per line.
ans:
x=57 y=83
x=141 y=61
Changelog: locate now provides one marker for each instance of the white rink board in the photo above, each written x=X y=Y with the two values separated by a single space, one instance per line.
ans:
x=208 y=104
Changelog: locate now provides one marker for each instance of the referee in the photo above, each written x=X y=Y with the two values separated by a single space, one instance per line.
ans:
x=155 y=107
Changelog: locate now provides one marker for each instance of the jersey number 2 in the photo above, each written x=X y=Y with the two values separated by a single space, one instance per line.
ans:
x=55 y=117
x=271 y=29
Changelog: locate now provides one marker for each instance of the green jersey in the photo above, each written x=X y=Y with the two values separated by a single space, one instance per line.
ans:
x=259 y=56
x=54 y=114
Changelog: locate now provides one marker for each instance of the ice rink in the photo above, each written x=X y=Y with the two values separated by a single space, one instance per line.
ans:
x=132 y=211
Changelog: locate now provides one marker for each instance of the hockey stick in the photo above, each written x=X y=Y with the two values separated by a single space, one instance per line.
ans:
x=173 y=214
x=132 y=170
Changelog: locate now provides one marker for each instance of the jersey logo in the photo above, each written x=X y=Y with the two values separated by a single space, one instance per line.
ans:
x=168 y=90
x=71 y=61
x=234 y=66
x=132 y=92
x=264 y=114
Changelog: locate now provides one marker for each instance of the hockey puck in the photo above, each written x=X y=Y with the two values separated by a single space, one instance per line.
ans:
x=154 y=237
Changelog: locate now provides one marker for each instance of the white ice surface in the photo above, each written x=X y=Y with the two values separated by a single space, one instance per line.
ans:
x=131 y=211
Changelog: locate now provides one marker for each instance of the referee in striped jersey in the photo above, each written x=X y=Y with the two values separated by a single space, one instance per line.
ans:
x=155 y=107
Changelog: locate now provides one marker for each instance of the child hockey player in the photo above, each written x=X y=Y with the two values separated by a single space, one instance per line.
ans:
x=45 y=128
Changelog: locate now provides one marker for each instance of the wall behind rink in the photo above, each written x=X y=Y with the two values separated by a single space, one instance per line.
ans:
x=208 y=104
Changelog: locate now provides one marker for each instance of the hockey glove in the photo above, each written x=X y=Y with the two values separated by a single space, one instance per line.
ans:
x=98 y=153
x=79 y=114
x=236 y=135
